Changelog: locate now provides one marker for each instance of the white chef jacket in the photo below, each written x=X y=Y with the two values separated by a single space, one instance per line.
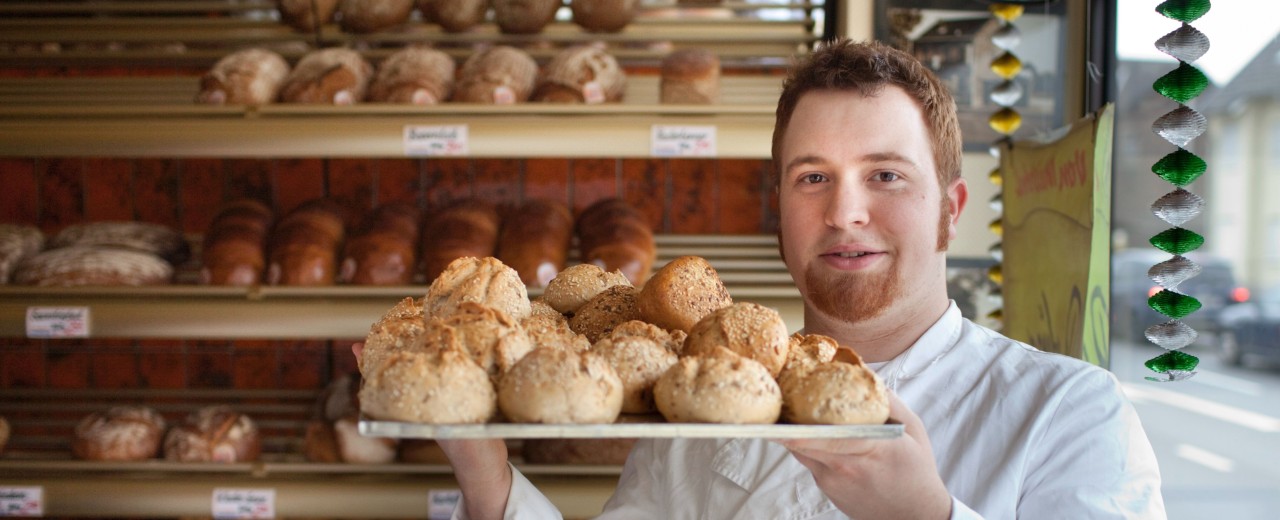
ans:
x=1017 y=433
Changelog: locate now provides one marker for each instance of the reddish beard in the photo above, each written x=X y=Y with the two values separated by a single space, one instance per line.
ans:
x=852 y=297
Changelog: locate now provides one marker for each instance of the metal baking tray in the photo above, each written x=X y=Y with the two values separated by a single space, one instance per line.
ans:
x=627 y=427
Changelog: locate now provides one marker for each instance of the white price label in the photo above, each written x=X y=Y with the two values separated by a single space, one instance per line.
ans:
x=683 y=141
x=231 y=503
x=22 y=501
x=442 y=503
x=435 y=140
x=57 y=322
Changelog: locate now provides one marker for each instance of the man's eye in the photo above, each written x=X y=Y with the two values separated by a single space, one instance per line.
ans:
x=812 y=178
x=887 y=176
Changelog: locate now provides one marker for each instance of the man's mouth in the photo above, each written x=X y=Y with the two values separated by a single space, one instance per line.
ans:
x=851 y=254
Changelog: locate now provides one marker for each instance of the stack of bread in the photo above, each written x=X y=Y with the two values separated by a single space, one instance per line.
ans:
x=304 y=245
x=234 y=251
x=106 y=253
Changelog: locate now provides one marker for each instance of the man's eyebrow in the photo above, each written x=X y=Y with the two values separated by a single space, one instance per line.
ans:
x=875 y=157
x=801 y=160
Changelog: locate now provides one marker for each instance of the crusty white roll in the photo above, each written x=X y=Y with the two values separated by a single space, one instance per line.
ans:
x=524 y=16
x=581 y=74
x=467 y=227
x=416 y=75
x=837 y=392
x=546 y=331
x=454 y=15
x=535 y=240
x=578 y=284
x=690 y=76
x=366 y=16
x=384 y=248
x=613 y=235
x=603 y=15
x=234 y=251
x=681 y=293
x=120 y=433
x=215 y=433
x=157 y=239
x=639 y=362
x=333 y=76
x=79 y=266
x=246 y=77
x=539 y=307
x=17 y=241
x=718 y=387
x=612 y=307
x=806 y=352
x=493 y=339
x=307 y=15
x=559 y=386
x=435 y=386
x=748 y=329
x=670 y=340
x=499 y=75
x=399 y=330
x=486 y=281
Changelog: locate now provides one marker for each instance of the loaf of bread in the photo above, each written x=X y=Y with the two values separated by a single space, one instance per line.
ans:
x=560 y=386
x=17 y=242
x=415 y=74
x=690 y=76
x=246 y=77
x=384 y=248
x=681 y=293
x=581 y=74
x=718 y=387
x=333 y=76
x=214 y=434
x=524 y=16
x=486 y=281
x=842 y=391
x=307 y=15
x=639 y=362
x=499 y=75
x=454 y=15
x=157 y=239
x=603 y=15
x=120 y=433
x=602 y=313
x=79 y=266
x=614 y=236
x=366 y=16
x=748 y=329
x=534 y=240
x=305 y=243
x=436 y=386
x=234 y=251
x=468 y=227
x=577 y=284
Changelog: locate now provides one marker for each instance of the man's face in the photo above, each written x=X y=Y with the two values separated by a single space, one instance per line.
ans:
x=864 y=222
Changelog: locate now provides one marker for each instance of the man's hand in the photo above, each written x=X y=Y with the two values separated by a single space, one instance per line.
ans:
x=878 y=478
x=480 y=467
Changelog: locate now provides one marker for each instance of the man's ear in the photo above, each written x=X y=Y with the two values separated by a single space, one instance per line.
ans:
x=958 y=195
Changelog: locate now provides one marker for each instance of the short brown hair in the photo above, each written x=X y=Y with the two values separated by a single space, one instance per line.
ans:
x=866 y=68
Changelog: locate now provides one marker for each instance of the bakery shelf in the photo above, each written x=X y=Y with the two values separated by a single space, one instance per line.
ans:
x=748 y=264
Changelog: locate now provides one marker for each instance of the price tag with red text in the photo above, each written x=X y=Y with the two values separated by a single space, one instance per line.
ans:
x=229 y=503
x=435 y=141
x=57 y=322
x=22 y=501
x=683 y=141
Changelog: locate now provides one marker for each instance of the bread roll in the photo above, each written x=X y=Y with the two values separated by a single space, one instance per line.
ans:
x=121 y=433
x=612 y=307
x=681 y=293
x=805 y=353
x=468 y=227
x=234 y=251
x=581 y=74
x=836 y=392
x=398 y=331
x=214 y=434
x=639 y=362
x=80 y=266
x=603 y=15
x=524 y=16
x=602 y=452
x=499 y=75
x=366 y=16
x=579 y=283
x=305 y=244
x=157 y=239
x=307 y=15
x=535 y=240
x=560 y=386
x=492 y=339
x=539 y=307
x=690 y=76
x=320 y=443
x=247 y=77
x=332 y=76
x=17 y=241
x=718 y=387
x=454 y=16
x=748 y=329
x=414 y=74
x=437 y=386
x=670 y=340
x=613 y=235
x=549 y=332
x=384 y=249
x=486 y=281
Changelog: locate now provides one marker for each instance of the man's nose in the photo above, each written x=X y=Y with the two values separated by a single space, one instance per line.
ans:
x=847 y=206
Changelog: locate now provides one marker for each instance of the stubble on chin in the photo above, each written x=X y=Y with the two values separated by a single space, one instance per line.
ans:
x=851 y=297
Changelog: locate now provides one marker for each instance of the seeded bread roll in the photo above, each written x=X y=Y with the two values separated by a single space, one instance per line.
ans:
x=468 y=227
x=307 y=15
x=366 y=16
x=214 y=434
x=603 y=15
x=499 y=75
x=157 y=239
x=121 y=433
x=690 y=76
x=454 y=15
x=486 y=281
x=436 y=386
x=748 y=329
x=415 y=74
x=539 y=307
x=535 y=240
x=681 y=293
x=234 y=251
x=718 y=387
x=553 y=332
x=524 y=16
x=402 y=328
x=17 y=241
x=578 y=284
x=80 y=266
x=670 y=340
x=581 y=74
x=493 y=339
x=560 y=386
x=247 y=77
x=384 y=249
x=612 y=307
x=806 y=352
x=614 y=236
x=333 y=76
x=843 y=391
x=639 y=362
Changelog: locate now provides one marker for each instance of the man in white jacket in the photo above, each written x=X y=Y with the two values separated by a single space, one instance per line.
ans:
x=867 y=152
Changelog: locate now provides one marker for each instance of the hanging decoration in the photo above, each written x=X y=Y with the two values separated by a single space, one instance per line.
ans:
x=1005 y=122
x=1180 y=126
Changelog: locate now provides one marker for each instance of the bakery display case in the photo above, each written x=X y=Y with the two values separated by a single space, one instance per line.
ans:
x=98 y=122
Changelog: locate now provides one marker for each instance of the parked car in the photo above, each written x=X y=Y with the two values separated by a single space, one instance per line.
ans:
x=1215 y=287
x=1251 y=329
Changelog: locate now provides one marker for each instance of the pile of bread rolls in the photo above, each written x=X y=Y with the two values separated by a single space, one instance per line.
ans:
x=511 y=16
x=474 y=349
x=215 y=433
x=92 y=254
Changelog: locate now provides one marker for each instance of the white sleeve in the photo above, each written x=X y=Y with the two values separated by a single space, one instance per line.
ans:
x=524 y=502
x=959 y=511
x=1096 y=461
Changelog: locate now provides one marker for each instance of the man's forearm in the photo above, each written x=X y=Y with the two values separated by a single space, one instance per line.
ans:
x=483 y=475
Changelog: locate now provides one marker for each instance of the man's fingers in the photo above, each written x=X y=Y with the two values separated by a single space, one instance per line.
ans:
x=357 y=348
